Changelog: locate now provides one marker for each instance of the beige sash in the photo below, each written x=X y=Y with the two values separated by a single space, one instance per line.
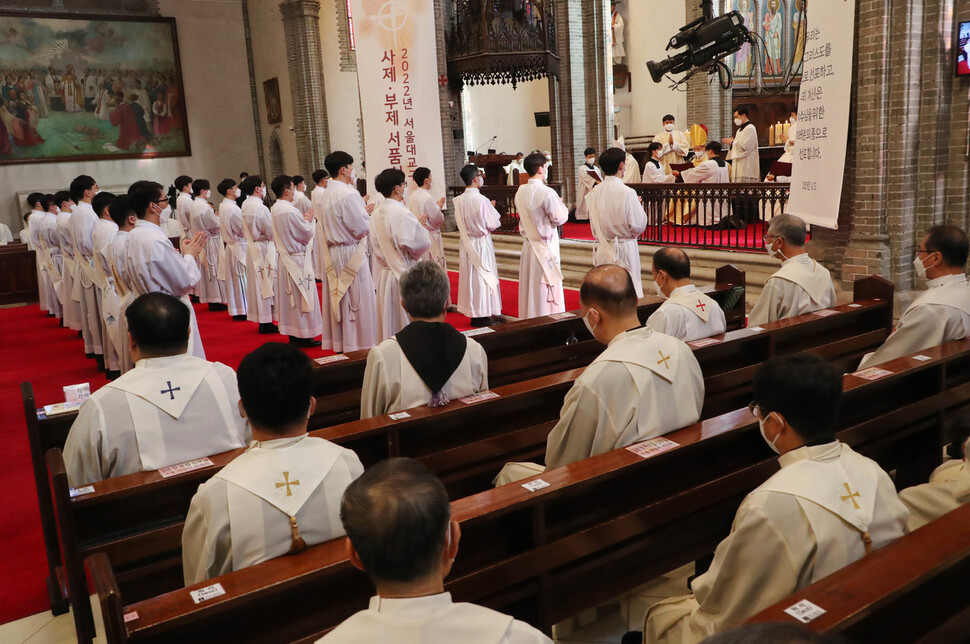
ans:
x=338 y=286
x=86 y=266
x=547 y=259
x=266 y=287
x=392 y=254
x=302 y=277
x=491 y=280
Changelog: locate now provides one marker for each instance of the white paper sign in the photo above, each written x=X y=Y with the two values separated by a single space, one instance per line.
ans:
x=822 y=129
x=471 y=332
x=132 y=616
x=824 y=313
x=182 y=468
x=706 y=342
x=77 y=393
x=804 y=611
x=337 y=357
x=562 y=316
x=652 y=447
x=922 y=358
x=479 y=397
x=81 y=491
x=537 y=484
x=757 y=329
x=872 y=373
x=399 y=415
x=207 y=593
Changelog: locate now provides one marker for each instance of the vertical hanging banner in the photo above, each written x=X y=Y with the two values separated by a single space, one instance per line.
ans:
x=397 y=71
x=822 y=131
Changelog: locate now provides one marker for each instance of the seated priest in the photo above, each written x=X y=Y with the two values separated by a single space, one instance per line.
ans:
x=280 y=495
x=644 y=384
x=171 y=408
x=398 y=520
x=427 y=362
x=947 y=489
x=942 y=312
x=801 y=285
x=687 y=314
x=826 y=508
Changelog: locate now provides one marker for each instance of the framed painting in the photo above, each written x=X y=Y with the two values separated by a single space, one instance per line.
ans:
x=76 y=88
x=274 y=110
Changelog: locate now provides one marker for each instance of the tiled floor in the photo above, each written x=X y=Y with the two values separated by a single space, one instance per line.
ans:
x=605 y=625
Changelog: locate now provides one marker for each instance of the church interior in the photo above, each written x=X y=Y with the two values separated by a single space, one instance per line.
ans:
x=798 y=168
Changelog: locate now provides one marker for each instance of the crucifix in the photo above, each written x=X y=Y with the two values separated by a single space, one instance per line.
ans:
x=171 y=390
x=287 y=483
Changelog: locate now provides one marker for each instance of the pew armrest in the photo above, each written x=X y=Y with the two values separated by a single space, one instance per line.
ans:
x=106 y=586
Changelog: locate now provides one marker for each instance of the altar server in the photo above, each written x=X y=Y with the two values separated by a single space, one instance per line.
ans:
x=124 y=217
x=654 y=170
x=183 y=204
x=479 y=294
x=745 y=162
x=687 y=314
x=712 y=169
x=674 y=143
x=83 y=221
x=69 y=273
x=202 y=218
x=321 y=178
x=261 y=259
x=108 y=302
x=588 y=176
x=233 y=260
x=428 y=211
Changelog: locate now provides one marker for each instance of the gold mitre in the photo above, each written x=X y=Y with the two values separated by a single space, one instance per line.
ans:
x=698 y=135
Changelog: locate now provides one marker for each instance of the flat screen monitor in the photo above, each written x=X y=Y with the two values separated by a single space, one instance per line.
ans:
x=963 y=49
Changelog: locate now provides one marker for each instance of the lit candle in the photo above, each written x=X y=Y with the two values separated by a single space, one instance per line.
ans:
x=771 y=135
x=787 y=127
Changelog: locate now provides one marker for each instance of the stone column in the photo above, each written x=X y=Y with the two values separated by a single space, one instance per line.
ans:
x=449 y=102
x=301 y=26
x=251 y=68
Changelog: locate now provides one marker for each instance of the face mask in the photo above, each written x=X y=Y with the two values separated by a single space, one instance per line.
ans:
x=353 y=176
x=165 y=214
x=205 y=194
x=737 y=122
x=777 y=254
x=590 y=160
x=589 y=326
x=920 y=268
x=190 y=190
x=657 y=290
x=792 y=120
x=669 y=127
x=771 y=444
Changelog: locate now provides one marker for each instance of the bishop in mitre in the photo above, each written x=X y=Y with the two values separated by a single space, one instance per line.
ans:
x=686 y=313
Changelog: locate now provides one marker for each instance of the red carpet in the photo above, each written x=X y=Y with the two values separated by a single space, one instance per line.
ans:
x=748 y=239
x=38 y=350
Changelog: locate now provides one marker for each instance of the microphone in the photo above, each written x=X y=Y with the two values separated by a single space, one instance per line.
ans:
x=486 y=143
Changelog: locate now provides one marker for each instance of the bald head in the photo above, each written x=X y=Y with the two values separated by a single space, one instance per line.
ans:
x=609 y=290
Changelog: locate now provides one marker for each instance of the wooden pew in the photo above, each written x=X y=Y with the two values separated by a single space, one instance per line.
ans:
x=913 y=590
x=602 y=527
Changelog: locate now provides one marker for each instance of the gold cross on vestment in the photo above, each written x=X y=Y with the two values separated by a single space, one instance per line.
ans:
x=850 y=496
x=287 y=483
x=663 y=359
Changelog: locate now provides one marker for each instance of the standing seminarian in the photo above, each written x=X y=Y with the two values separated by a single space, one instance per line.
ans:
x=617 y=219
x=942 y=312
x=541 y=212
x=588 y=176
x=233 y=260
x=399 y=242
x=428 y=212
x=261 y=267
x=69 y=274
x=202 y=218
x=124 y=217
x=83 y=221
x=653 y=169
x=320 y=180
x=280 y=495
x=745 y=162
x=108 y=302
x=183 y=204
x=712 y=169
x=687 y=314
x=46 y=243
x=801 y=285
x=350 y=306
x=479 y=292
x=297 y=303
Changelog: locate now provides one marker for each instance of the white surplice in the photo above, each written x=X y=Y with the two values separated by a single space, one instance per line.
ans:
x=476 y=298
x=183 y=213
x=431 y=619
x=316 y=201
x=631 y=170
x=153 y=264
x=261 y=264
x=617 y=218
x=675 y=152
x=108 y=302
x=422 y=203
x=83 y=221
x=653 y=172
x=242 y=515
x=116 y=253
x=744 y=158
x=399 y=242
x=345 y=224
x=32 y=242
x=391 y=383
x=164 y=411
x=234 y=256
x=46 y=243
x=202 y=218
x=947 y=489
x=688 y=315
x=709 y=171
x=70 y=306
x=800 y=286
x=584 y=183
x=297 y=301
x=806 y=522
x=541 y=212
x=940 y=314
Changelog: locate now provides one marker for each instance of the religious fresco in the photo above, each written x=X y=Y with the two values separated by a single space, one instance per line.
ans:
x=779 y=30
x=84 y=87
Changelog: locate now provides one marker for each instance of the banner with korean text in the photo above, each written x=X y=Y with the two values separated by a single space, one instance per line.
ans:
x=822 y=131
x=397 y=71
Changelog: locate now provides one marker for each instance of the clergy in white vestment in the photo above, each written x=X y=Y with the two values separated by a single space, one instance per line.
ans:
x=515 y=164
x=428 y=211
x=283 y=493
x=104 y=232
x=70 y=306
x=46 y=245
x=479 y=291
x=300 y=201
x=947 y=489
x=183 y=204
x=801 y=285
x=297 y=302
x=631 y=169
x=153 y=264
x=686 y=313
x=941 y=313
x=6 y=237
x=171 y=408
x=789 y=154
x=617 y=219
x=427 y=362
x=541 y=212
x=644 y=384
x=83 y=221
x=350 y=301
x=124 y=217
x=24 y=234
x=261 y=260
x=826 y=508
x=233 y=260
x=744 y=158
x=398 y=520
x=34 y=201
x=202 y=218
x=399 y=242
x=674 y=143
x=588 y=176
x=712 y=169
x=321 y=178
x=654 y=170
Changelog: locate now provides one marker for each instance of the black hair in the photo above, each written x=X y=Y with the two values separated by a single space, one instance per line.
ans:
x=159 y=324
x=337 y=160
x=79 y=186
x=533 y=162
x=668 y=117
x=714 y=145
x=297 y=180
x=61 y=196
x=101 y=201
x=950 y=242
x=421 y=175
x=181 y=181
x=319 y=175
x=389 y=179
x=468 y=173
x=224 y=186
x=144 y=196
x=610 y=161
x=281 y=183
x=199 y=185
x=654 y=145
x=250 y=183
x=120 y=209
x=33 y=198
x=673 y=261
x=741 y=110
x=803 y=388
x=589 y=151
x=275 y=386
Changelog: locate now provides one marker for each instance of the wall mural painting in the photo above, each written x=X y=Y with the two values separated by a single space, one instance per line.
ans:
x=779 y=30
x=89 y=88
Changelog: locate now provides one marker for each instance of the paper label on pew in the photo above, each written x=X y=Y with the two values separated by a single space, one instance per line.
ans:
x=922 y=358
x=824 y=313
x=479 y=397
x=805 y=611
x=77 y=393
x=337 y=357
x=60 y=408
x=706 y=342
x=470 y=332
x=872 y=373
x=399 y=415
x=652 y=447
x=209 y=592
x=535 y=485
x=855 y=305
x=182 y=468
x=562 y=316
x=132 y=616
x=81 y=491
x=757 y=329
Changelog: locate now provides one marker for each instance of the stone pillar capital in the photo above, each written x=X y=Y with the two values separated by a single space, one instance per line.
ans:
x=300 y=8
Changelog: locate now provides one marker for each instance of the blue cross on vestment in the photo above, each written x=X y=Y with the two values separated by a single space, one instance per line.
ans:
x=306 y=282
x=171 y=390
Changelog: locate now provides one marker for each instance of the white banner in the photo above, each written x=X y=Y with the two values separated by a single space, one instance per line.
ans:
x=397 y=71
x=822 y=131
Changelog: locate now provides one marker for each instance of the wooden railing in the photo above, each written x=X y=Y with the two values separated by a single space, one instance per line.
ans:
x=504 y=198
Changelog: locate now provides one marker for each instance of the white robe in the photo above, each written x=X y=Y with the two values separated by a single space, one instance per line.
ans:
x=234 y=256
x=688 y=315
x=940 y=314
x=295 y=238
x=70 y=306
x=479 y=217
x=83 y=221
x=409 y=241
x=46 y=242
x=183 y=212
x=25 y=237
x=153 y=264
x=116 y=253
x=947 y=489
x=135 y=424
x=675 y=152
x=431 y=619
x=6 y=237
x=42 y=291
x=616 y=30
x=425 y=208
x=104 y=233
x=617 y=219
x=236 y=520
x=584 y=183
x=316 y=201
x=745 y=162
x=391 y=383
x=539 y=293
x=346 y=224
x=203 y=219
x=655 y=172
x=257 y=220
x=631 y=170
x=800 y=286
x=793 y=530
x=709 y=171
x=514 y=165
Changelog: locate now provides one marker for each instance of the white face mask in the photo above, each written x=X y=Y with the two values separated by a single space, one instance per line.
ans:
x=777 y=254
x=771 y=444
x=589 y=326
x=590 y=160
x=920 y=268
x=190 y=190
x=792 y=120
x=657 y=290
x=737 y=122
x=205 y=194
x=669 y=127
x=353 y=176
